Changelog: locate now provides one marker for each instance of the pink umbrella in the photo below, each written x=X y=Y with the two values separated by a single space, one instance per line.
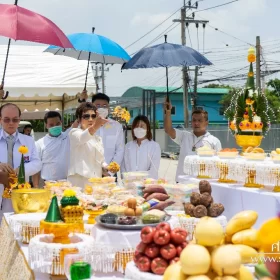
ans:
x=21 y=24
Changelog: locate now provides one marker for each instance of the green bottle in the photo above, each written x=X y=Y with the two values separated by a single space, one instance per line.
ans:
x=80 y=271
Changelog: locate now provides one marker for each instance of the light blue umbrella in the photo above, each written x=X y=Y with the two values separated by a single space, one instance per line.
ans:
x=94 y=48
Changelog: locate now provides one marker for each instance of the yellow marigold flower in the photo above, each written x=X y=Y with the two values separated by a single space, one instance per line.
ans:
x=27 y=185
x=23 y=150
x=69 y=193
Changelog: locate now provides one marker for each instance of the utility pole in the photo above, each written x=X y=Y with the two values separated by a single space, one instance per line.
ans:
x=185 y=70
x=258 y=63
x=195 y=87
x=185 y=21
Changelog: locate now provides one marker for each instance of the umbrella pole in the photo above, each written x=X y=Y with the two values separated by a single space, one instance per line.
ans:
x=4 y=72
x=85 y=88
x=167 y=86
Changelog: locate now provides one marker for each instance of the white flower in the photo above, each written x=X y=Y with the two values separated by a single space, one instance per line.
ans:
x=256 y=92
x=257 y=119
x=251 y=93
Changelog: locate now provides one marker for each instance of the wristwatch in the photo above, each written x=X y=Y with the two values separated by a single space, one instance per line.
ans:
x=81 y=101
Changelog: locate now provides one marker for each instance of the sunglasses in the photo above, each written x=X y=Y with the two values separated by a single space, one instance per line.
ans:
x=7 y=120
x=87 y=116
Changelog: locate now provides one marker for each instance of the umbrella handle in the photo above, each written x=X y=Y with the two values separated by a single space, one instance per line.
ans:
x=85 y=88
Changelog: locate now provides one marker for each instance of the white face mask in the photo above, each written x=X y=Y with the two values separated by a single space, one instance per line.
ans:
x=139 y=132
x=103 y=112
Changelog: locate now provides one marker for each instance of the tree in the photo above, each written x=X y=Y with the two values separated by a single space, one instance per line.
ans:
x=217 y=86
x=275 y=85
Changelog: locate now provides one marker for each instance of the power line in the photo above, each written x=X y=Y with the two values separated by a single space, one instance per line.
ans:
x=153 y=29
x=210 y=8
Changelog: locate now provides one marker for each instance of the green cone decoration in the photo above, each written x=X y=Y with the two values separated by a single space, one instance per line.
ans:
x=53 y=215
x=251 y=79
x=69 y=200
x=21 y=172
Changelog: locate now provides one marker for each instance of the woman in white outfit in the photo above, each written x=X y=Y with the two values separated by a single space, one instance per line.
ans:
x=143 y=153
x=86 y=148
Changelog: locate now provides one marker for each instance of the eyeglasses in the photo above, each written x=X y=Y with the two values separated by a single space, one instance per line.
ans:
x=87 y=116
x=7 y=120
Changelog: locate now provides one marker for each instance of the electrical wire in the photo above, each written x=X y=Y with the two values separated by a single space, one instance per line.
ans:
x=152 y=29
x=189 y=35
x=197 y=36
x=210 y=8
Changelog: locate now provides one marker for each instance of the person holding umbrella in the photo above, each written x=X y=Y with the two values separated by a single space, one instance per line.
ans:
x=190 y=141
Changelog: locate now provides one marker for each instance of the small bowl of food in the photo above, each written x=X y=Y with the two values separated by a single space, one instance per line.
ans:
x=205 y=151
x=228 y=153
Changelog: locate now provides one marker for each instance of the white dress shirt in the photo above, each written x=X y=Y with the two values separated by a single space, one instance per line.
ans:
x=187 y=140
x=86 y=154
x=32 y=163
x=54 y=154
x=145 y=157
x=113 y=141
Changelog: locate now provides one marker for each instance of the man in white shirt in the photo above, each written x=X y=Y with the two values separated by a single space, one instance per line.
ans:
x=53 y=150
x=10 y=141
x=190 y=141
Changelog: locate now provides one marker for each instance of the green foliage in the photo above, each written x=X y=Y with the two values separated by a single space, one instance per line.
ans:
x=238 y=106
x=275 y=85
x=37 y=125
x=217 y=86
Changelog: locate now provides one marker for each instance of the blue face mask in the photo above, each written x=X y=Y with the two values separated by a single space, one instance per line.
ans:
x=55 y=130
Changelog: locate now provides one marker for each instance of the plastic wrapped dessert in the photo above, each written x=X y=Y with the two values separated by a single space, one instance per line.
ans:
x=254 y=153
x=228 y=153
x=61 y=224
x=205 y=151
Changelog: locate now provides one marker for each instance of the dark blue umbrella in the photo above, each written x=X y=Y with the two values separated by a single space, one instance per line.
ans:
x=166 y=55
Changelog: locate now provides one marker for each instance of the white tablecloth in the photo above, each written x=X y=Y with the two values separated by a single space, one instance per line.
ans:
x=236 y=198
x=122 y=238
x=43 y=276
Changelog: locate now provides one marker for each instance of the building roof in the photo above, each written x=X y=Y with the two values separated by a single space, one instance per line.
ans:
x=137 y=91
x=31 y=72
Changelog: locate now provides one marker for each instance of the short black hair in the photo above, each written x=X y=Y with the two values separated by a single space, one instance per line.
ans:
x=84 y=107
x=9 y=104
x=51 y=114
x=201 y=112
x=27 y=126
x=100 y=96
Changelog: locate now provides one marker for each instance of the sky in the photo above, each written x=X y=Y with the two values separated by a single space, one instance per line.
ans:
x=231 y=30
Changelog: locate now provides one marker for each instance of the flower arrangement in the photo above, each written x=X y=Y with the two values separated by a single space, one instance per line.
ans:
x=121 y=114
x=248 y=113
x=17 y=182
